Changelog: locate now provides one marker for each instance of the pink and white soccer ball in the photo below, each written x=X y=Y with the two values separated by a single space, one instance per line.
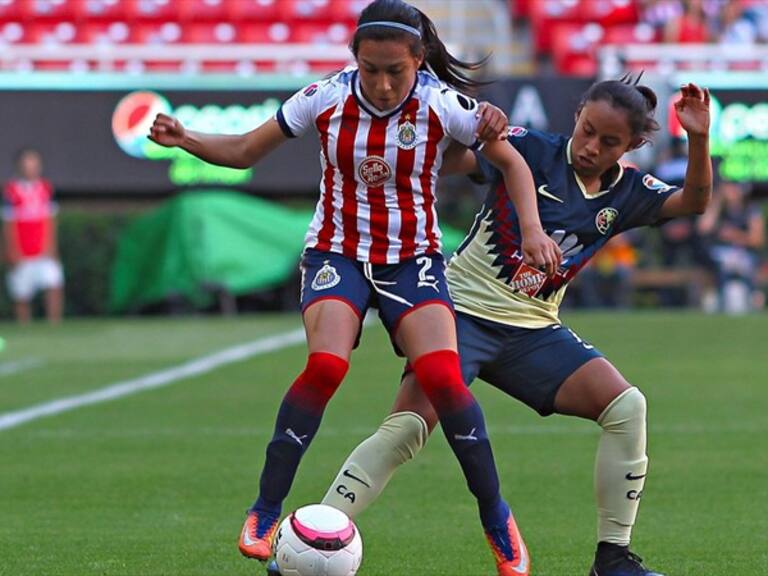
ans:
x=318 y=540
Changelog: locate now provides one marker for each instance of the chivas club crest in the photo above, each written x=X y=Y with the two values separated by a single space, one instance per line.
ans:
x=374 y=171
x=406 y=136
x=326 y=277
x=605 y=218
x=528 y=280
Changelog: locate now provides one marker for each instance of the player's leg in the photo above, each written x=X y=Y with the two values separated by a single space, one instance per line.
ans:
x=599 y=392
x=334 y=298
x=21 y=290
x=51 y=280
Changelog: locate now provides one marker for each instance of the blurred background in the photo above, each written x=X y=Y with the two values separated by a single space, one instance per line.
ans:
x=139 y=229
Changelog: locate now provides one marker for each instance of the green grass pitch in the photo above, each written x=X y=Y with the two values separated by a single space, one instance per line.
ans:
x=157 y=483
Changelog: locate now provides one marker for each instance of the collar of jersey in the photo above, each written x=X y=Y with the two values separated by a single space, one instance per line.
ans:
x=370 y=108
x=582 y=187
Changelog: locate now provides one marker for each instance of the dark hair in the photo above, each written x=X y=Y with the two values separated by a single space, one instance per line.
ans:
x=446 y=67
x=638 y=101
x=21 y=152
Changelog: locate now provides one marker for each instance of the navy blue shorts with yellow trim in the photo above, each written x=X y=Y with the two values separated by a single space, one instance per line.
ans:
x=528 y=364
x=395 y=289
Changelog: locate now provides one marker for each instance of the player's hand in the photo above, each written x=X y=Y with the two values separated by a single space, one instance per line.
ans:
x=540 y=251
x=693 y=110
x=167 y=131
x=493 y=125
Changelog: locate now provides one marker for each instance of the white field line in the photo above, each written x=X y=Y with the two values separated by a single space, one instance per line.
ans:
x=195 y=367
x=8 y=368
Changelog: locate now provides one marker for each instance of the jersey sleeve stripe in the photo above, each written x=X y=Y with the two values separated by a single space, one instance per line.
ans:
x=326 y=232
x=346 y=156
x=280 y=117
x=405 y=197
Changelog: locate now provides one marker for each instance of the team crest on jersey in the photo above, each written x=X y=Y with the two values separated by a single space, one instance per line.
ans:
x=517 y=131
x=528 y=280
x=327 y=277
x=406 y=136
x=605 y=218
x=374 y=171
x=653 y=183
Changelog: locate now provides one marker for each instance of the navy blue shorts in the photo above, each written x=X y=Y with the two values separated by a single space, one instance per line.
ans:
x=395 y=289
x=528 y=364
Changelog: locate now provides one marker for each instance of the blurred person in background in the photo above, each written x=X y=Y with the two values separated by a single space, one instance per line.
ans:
x=681 y=243
x=690 y=27
x=737 y=24
x=736 y=228
x=606 y=282
x=29 y=234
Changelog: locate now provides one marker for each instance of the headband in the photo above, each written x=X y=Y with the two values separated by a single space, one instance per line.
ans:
x=399 y=25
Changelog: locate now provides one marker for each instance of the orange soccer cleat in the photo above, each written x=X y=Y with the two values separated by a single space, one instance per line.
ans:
x=257 y=535
x=509 y=550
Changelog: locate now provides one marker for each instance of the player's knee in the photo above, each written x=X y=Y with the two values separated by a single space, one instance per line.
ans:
x=627 y=410
x=321 y=378
x=406 y=434
x=439 y=375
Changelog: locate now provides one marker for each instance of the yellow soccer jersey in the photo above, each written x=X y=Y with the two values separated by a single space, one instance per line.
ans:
x=488 y=278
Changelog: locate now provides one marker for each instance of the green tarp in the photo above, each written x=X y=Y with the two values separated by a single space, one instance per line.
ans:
x=205 y=240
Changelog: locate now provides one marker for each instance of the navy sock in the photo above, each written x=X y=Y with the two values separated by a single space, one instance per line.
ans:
x=294 y=430
x=467 y=436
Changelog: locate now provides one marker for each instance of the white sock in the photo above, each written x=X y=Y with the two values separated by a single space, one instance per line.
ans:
x=620 y=466
x=371 y=464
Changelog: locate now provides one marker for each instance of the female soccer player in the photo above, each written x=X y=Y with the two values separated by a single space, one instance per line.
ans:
x=507 y=311
x=384 y=126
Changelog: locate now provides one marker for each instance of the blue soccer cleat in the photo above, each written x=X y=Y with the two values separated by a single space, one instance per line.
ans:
x=615 y=560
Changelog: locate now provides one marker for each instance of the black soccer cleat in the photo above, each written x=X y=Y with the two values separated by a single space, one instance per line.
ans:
x=272 y=569
x=615 y=560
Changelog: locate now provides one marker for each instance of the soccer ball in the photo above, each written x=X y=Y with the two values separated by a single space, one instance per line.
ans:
x=318 y=540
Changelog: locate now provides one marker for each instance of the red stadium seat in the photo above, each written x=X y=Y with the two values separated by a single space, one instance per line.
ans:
x=42 y=32
x=48 y=10
x=152 y=10
x=157 y=32
x=257 y=10
x=14 y=33
x=210 y=33
x=630 y=34
x=311 y=33
x=306 y=10
x=275 y=33
x=347 y=10
x=573 y=46
x=607 y=12
x=202 y=10
x=102 y=33
x=10 y=10
x=103 y=10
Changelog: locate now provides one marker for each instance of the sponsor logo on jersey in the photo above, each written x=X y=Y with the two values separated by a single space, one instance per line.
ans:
x=311 y=90
x=653 y=183
x=543 y=190
x=517 y=131
x=604 y=219
x=528 y=280
x=327 y=277
x=374 y=171
x=406 y=136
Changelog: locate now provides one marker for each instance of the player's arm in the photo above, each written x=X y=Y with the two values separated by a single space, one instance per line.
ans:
x=11 y=247
x=693 y=112
x=538 y=248
x=234 y=151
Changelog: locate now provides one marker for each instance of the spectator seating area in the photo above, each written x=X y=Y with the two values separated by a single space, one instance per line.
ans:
x=572 y=32
x=42 y=33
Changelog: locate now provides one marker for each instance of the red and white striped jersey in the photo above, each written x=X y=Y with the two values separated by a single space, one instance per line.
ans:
x=28 y=205
x=377 y=193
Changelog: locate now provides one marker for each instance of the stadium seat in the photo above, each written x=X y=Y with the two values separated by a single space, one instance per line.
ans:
x=10 y=10
x=152 y=10
x=311 y=33
x=202 y=10
x=209 y=33
x=254 y=10
x=317 y=10
x=100 y=10
x=630 y=34
x=275 y=33
x=609 y=12
x=54 y=10
x=13 y=33
x=102 y=33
